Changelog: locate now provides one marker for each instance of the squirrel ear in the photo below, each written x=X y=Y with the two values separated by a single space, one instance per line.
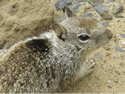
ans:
x=68 y=12
x=59 y=30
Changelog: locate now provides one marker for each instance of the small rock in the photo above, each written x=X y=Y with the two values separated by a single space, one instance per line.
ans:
x=107 y=47
x=122 y=35
x=101 y=7
x=69 y=1
x=109 y=81
x=118 y=9
x=122 y=42
x=98 y=1
x=117 y=72
x=62 y=3
x=109 y=86
x=123 y=30
x=80 y=1
x=75 y=7
x=119 y=49
x=106 y=15
x=118 y=21
x=119 y=16
x=108 y=1
x=88 y=15
x=95 y=2
x=103 y=10
x=115 y=80
x=105 y=24
x=122 y=55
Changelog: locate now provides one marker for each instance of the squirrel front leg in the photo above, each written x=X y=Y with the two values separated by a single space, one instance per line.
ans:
x=86 y=68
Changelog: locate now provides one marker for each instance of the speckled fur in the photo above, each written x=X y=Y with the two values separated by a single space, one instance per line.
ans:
x=48 y=63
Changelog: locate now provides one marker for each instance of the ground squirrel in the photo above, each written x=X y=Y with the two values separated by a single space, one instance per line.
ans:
x=53 y=60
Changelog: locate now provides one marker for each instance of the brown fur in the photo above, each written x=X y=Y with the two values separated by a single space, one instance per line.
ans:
x=88 y=24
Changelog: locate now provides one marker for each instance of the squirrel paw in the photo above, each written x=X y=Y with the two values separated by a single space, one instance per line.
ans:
x=88 y=66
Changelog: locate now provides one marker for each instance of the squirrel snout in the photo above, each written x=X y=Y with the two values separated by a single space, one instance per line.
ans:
x=108 y=33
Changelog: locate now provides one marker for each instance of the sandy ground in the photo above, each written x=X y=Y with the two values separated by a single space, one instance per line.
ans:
x=26 y=18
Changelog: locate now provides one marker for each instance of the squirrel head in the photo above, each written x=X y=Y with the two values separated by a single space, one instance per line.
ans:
x=81 y=32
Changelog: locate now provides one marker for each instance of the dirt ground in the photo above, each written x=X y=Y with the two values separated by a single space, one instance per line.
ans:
x=26 y=18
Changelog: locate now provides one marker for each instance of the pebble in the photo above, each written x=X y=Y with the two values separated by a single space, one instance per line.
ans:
x=88 y=15
x=100 y=8
x=80 y=1
x=117 y=72
x=119 y=16
x=109 y=86
x=122 y=55
x=119 y=49
x=109 y=81
x=95 y=2
x=60 y=4
x=68 y=1
x=105 y=24
x=106 y=15
x=122 y=35
x=75 y=7
x=122 y=42
x=103 y=10
x=108 y=1
x=123 y=30
x=115 y=80
x=118 y=8
x=107 y=47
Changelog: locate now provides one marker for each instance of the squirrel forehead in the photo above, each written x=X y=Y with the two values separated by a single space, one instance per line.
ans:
x=74 y=23
x=87 y=23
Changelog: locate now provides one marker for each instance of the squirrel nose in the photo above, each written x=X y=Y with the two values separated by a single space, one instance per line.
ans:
x=109 y=33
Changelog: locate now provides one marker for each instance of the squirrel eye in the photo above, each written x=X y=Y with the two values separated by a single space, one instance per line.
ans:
x=83 y=37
